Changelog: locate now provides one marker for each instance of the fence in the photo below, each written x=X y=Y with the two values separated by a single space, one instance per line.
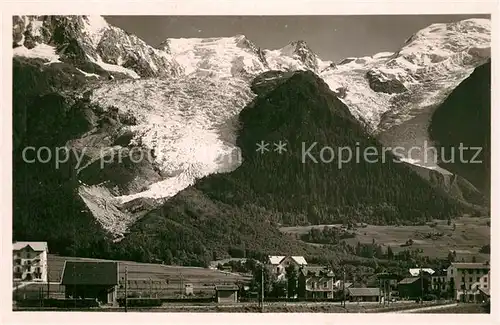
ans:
x=168 y=288
x=37 y=291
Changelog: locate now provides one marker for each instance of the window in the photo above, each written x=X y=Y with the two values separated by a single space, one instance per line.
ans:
x=478 y=279
x=470 y=279
x=463 y=279
x=485 y=279
x=325 y=285
x=485 y=286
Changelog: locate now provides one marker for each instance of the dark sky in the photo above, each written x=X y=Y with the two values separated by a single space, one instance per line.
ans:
x=331 y=37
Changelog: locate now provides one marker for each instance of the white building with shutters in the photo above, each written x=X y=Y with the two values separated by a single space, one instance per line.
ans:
x=30 y=261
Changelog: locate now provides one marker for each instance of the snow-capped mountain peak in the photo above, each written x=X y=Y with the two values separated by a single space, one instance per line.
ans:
x=94 y=27
x=232 y=56
x=297 y=55
x=387 y=89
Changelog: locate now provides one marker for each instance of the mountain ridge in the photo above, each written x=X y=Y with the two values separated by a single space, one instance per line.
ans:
x=177 y=111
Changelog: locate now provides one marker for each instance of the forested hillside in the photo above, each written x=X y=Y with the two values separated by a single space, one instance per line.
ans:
x=464 y=118
x=243 y=208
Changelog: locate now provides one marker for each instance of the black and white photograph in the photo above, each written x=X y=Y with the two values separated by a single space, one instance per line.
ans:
x=251 y=163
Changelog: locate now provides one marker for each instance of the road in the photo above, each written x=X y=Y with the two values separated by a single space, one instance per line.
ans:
x=426 y=308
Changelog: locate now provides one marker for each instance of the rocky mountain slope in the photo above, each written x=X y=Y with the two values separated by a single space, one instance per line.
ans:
x=145 y=123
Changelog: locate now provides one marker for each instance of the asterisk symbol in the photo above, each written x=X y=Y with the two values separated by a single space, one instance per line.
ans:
x=262 y=147
x=280 y=147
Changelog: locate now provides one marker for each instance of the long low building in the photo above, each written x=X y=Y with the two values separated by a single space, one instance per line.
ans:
x=363 y=294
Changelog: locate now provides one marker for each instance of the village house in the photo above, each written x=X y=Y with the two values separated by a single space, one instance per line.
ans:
x=469 y=280
x=91 y=280
x=413 y=287
x=30 y=261
x=439 y=281
x=278 y=264
x=318 y=282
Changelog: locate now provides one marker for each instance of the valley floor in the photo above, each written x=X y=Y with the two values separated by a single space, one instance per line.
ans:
x=469 y=236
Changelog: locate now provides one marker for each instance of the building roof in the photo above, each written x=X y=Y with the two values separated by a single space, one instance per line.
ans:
x=299 y=260
x=90 y=273
x=338 y=284
x=486 y=291
x=364 y=292
x=277 y=259
x=409 y=280
x=226 y=287
x=416 y=271
x=38 y=246
x=440 y=273
x=470 y=265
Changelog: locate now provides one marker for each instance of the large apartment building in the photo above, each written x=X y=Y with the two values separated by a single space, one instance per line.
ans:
x=30 y=261
x=469 y=280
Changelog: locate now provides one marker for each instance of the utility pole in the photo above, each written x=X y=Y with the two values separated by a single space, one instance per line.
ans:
x=333 y=282
x=421 y=285
x=180 y=284
x=48 y=280
x=262 y=291
x=343 y=287
x=380 y=291
x=126 y=283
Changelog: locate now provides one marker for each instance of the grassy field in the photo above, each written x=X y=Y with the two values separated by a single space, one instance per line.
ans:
x=468 y=237
x=143 y=279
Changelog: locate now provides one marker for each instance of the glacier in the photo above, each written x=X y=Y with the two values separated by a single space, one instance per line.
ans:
x=186 y=94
